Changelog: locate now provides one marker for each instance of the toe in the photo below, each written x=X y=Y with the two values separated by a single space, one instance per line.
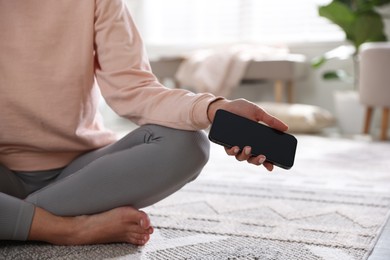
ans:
x=144 y=220
x=138 y=239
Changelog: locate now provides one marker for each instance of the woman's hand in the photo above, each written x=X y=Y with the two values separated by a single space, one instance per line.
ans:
x=253 y=112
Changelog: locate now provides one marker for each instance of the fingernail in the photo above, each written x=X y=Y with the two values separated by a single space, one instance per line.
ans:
x=262 y=160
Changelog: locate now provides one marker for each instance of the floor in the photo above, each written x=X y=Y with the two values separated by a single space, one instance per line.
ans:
x=382 y=248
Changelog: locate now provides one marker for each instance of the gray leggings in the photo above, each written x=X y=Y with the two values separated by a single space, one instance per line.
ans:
x=139 y=170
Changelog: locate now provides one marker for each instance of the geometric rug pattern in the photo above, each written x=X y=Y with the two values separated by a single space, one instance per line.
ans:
x=263 y=223
x=331 y=205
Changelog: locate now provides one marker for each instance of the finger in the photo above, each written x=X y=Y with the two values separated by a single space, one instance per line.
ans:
x=245 y=154
x=257 y=160
x=269 y=166
x=271 y=121
x=232 y=151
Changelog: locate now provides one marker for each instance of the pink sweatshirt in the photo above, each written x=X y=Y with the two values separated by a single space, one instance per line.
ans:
x=54 y=56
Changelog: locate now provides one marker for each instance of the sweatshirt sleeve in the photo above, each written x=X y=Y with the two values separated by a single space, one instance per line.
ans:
x=127 y=83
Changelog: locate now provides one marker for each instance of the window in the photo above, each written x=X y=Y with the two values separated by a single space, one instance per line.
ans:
x=219 y=21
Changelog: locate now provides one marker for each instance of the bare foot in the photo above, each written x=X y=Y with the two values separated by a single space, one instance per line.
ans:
x=123 y=224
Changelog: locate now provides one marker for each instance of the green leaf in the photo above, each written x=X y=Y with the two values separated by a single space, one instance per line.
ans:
x=380 y=2
x=318 y=61
x=340 y=14
x=368 y=27
x=349 y=3
x=357 y=18
x=363 y=5
x=342 y=52
x=337 y=75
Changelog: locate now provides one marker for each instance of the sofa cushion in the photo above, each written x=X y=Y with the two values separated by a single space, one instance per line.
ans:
x=300 y=118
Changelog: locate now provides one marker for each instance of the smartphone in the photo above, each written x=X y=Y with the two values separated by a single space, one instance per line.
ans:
x=230 y=130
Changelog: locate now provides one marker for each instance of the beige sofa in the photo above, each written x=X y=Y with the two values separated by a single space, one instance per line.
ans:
x=284 y=72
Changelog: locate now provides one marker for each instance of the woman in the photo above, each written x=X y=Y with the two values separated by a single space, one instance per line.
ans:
x=64 y=178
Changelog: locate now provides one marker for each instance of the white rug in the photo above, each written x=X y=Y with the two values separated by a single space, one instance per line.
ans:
x=331 y=205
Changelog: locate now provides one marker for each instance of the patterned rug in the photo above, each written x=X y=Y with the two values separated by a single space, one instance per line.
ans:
x=331 y=205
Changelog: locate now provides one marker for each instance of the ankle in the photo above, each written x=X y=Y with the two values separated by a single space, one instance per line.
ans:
x=70 y=231
x=51 y=228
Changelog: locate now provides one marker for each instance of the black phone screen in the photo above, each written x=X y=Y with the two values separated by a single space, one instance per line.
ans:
x=230 y=130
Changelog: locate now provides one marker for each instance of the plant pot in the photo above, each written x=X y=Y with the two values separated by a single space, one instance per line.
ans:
x=349 y=112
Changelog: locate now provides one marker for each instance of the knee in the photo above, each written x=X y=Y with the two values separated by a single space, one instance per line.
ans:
x=195 y=147
x=195 y=152
x=187 y=151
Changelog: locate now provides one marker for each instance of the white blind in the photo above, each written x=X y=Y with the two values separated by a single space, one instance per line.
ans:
x=220 y=21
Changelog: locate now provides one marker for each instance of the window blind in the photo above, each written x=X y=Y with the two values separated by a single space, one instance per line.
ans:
x=194 y=22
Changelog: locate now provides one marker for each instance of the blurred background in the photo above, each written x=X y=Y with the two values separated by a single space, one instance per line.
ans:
x=173 y=28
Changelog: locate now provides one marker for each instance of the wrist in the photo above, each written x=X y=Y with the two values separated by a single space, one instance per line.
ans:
x=214 y=106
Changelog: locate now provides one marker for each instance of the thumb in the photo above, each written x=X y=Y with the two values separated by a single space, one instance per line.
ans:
x=270 y=120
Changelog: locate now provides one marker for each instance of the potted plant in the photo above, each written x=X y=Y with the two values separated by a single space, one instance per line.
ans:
x=361 y=22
